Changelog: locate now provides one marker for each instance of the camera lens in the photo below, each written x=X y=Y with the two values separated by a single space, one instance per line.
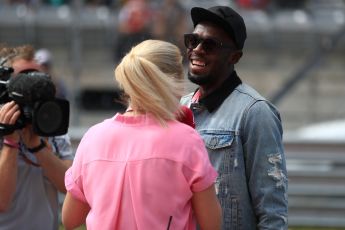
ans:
x=51 y=118
x=49 y=115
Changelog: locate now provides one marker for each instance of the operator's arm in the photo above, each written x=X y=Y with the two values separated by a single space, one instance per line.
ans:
x=266 y=166
x=9 y=113
x=8 y=175
x=53 y=167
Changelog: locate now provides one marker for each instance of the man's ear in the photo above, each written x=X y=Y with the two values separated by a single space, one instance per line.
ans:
x=235 y=57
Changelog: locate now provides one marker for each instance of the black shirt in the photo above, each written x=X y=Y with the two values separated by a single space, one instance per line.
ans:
x=216 y=98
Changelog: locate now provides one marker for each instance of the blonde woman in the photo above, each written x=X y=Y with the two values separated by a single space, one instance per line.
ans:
x=143 y=169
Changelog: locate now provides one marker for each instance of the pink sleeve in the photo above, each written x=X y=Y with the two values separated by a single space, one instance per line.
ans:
x=203 y=180
x=73 y=187
x=199 y=172
x=73 y=176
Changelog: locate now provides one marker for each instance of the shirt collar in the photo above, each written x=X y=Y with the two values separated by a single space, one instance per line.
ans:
x=216 y=98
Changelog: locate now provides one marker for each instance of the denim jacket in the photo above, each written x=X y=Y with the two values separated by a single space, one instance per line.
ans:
x=243 y=137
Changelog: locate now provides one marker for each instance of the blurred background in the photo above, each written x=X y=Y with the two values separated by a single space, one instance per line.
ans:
x=294 y=56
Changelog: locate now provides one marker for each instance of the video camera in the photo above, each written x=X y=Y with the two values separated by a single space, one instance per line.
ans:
x=34 y=92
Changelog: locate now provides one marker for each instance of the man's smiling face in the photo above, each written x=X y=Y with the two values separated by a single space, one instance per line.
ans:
x=210 y=67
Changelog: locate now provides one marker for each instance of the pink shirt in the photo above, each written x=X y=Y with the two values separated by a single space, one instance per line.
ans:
x=136 y=174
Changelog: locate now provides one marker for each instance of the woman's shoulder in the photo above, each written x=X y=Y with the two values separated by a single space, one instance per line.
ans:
x=184 y=133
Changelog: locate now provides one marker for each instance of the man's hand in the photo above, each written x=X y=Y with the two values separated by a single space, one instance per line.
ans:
x=9 y=114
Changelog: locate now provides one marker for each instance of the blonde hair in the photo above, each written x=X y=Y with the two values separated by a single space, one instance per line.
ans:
x=25 y=52
x=6 y=53
x=151 y=75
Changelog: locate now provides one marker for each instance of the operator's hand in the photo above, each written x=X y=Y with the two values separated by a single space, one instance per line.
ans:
x=9 y=114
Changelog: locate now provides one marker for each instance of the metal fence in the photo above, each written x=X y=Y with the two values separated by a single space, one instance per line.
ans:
x=316 y=183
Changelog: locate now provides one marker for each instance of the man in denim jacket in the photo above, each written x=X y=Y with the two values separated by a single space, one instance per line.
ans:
x=241 y=129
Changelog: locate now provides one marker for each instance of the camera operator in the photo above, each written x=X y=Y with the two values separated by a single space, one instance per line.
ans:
x=32 y=168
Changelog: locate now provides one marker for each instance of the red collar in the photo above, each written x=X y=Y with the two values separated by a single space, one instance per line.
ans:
x=196 y=96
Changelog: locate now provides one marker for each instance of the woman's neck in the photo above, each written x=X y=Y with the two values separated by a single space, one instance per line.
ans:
x=131 y=112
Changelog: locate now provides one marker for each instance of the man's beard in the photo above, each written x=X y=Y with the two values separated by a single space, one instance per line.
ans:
x=200 y=79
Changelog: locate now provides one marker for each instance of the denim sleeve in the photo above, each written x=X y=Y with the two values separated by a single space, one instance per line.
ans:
x=266 y=165
x=62 y=147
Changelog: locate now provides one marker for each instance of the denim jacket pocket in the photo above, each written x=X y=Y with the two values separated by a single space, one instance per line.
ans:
x=216 y=139
x=220 y=146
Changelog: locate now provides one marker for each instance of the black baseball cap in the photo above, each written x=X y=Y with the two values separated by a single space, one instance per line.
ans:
x=226 y=18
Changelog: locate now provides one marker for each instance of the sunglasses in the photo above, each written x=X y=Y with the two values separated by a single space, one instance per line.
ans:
x=209 y=45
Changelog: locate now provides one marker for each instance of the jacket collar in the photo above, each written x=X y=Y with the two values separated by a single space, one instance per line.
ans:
x=216 y=98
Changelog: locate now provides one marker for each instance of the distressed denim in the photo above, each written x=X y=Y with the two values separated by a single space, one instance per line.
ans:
x=244 y=141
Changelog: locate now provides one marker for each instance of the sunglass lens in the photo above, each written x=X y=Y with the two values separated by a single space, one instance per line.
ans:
x=191 y=41
x=209 y=45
